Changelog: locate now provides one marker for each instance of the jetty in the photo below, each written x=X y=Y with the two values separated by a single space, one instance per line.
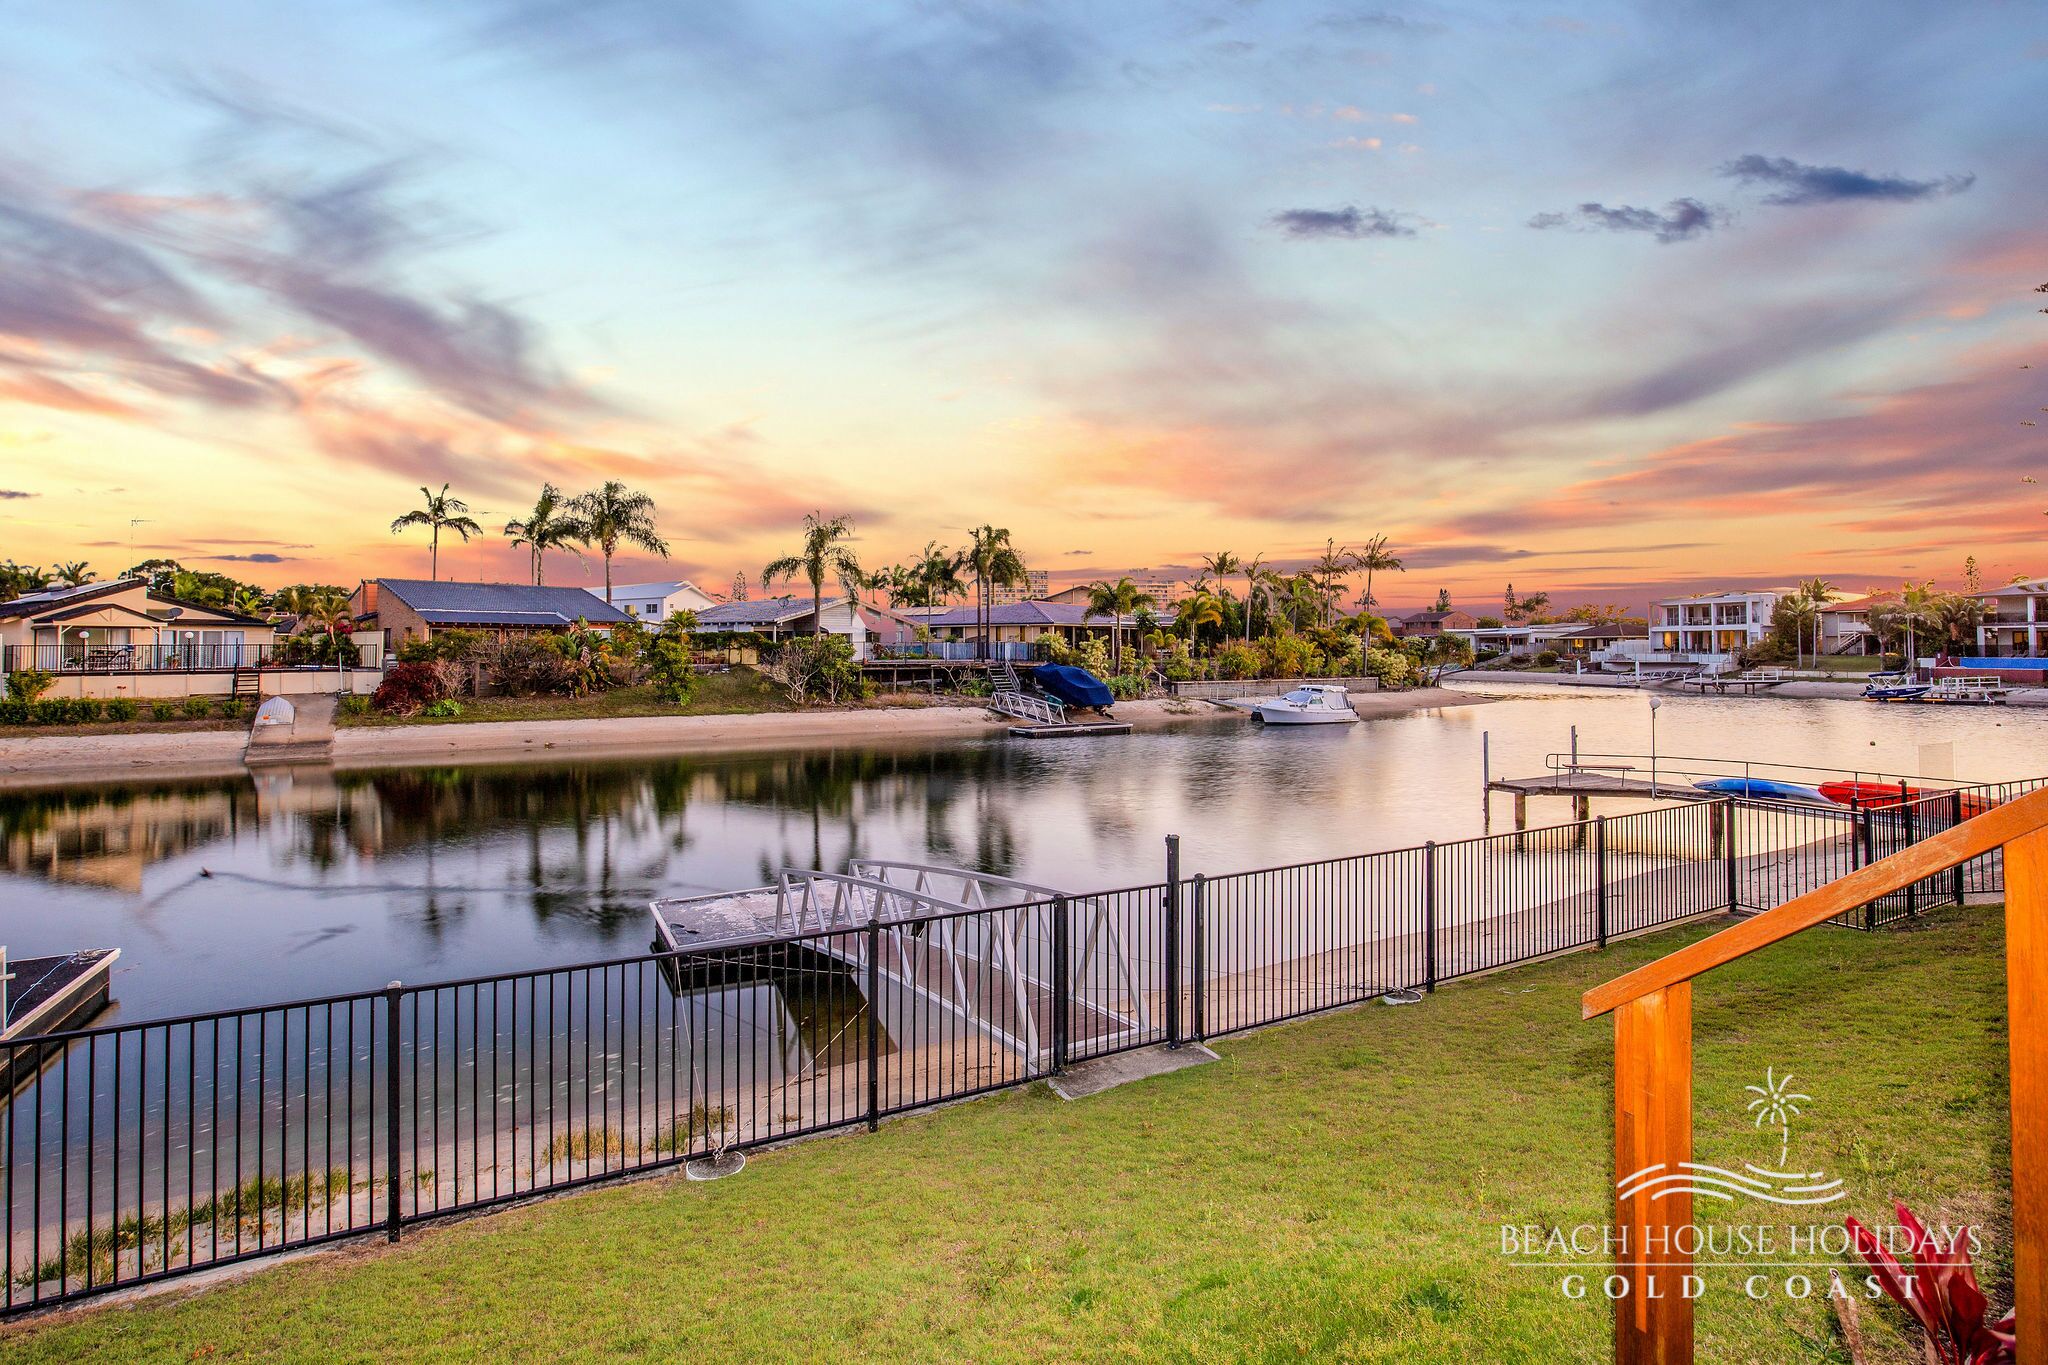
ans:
x=43 y=995
x=954 y=952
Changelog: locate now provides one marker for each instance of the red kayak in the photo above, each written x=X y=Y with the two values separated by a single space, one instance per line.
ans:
x=1881 y=795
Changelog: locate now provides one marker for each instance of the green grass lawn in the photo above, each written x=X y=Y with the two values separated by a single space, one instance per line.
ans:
x=1331 y=1190
x=718 y=694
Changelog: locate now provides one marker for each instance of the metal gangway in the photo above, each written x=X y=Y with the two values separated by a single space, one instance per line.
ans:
x=974 y=947
x=1010 y=699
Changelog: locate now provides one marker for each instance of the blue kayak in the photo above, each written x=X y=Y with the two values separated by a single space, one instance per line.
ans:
x=1074 y=686
x=1760 y=786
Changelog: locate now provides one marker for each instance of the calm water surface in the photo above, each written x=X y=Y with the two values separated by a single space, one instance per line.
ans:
x=234 y=892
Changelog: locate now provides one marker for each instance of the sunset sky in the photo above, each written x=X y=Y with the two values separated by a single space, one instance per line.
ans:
x=1594 y=298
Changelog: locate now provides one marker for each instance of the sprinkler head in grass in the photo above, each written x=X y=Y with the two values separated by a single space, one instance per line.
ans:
x=1400 y=997
x=716 y=1167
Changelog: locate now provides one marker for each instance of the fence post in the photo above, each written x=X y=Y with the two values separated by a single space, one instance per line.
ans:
x=1195 y=927
x=1062 y=984
x=1955 y=817
x=874 y=1025
x=1728 y=853
x=1172 y=899
x=1912 y=837
x=1600 y=876
x=393 y=1214
x=1429 y=916
x=1863 y=838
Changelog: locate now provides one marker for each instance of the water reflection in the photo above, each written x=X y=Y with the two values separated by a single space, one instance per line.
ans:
x=309 y=882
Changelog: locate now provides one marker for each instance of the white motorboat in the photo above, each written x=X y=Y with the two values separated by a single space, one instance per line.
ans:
x=1313 y=704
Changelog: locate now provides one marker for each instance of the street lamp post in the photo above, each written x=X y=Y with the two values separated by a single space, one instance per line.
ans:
x=1655 y=704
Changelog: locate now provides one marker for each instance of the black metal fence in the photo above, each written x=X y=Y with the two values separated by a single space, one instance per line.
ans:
x=133 y=1152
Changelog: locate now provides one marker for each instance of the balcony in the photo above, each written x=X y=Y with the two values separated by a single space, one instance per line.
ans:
x=105 y=659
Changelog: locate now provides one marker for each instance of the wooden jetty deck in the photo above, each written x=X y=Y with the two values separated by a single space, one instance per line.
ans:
x=1071 y=729
x=50 y=995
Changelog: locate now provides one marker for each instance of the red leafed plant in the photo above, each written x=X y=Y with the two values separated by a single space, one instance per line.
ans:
x=1940 y=1291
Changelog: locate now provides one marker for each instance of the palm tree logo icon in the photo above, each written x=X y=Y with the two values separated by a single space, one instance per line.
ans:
x=1777 y=1103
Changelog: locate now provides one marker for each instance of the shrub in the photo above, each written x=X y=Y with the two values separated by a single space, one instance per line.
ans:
x=1237 y=661
x=668 y=664
x=354 y=704
x=196 y=708
x=450 y=646
x=234 y=708
x=444 y=709
x=525 y=666
x=1546 y=658
x=1390 y=666
x=27 y=684
x=122 y=708
x=13 y=711
x=317 y=648
x=163 y=710
x=408 y=687
x=816 y=668
x=50 y=711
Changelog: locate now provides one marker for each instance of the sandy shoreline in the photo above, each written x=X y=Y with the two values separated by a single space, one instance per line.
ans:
x=59 y=760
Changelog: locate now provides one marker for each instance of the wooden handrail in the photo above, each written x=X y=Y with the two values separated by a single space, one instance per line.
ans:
x=1938 y=853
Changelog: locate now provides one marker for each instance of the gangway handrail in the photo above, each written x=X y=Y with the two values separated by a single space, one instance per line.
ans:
x=1565 y=760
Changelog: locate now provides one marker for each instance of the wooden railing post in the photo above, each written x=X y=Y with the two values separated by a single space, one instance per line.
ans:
x=2026 y=994
x=1653 y=1128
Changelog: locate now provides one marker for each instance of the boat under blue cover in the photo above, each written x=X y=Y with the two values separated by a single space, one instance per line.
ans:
x=1074 y=686
x=1760 y=786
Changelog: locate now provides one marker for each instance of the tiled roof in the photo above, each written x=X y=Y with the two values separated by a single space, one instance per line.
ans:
x=764 y=611
x=1024 y=614
x=42 y=599
x=508 y=604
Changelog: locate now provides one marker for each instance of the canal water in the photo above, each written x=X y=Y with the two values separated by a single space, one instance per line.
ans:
x=235 y=892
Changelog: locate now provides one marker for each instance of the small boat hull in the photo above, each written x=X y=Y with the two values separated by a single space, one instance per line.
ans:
x=1281 y=715
x=1315 y=704
x=1768 y=788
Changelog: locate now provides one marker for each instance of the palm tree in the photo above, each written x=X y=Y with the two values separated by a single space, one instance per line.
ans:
x=550 y=526
x=995 y=562
x=331 y=614
x=1198 y=610
x=1820 y=592
x=249 y=601
x=440 y=512
x=77 y=573
x=1956 y=616
x=1116 y=601
x=1375 y=555
x=615 y=514
x=1254 y=570
x=1221 y=565
x=821 y=555
x=933 y=578
x=1334 y=562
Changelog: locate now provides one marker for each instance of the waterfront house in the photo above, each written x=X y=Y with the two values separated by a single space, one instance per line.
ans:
x=1420 y=625
x=1518 y=641
x=1845 y=626
x=656 y=602
x=120 y=638
x=2015 y=623
x=1709 y=629
x=1017 y=630
x=1619 y=643
x=866 y=626
x=399 y=610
